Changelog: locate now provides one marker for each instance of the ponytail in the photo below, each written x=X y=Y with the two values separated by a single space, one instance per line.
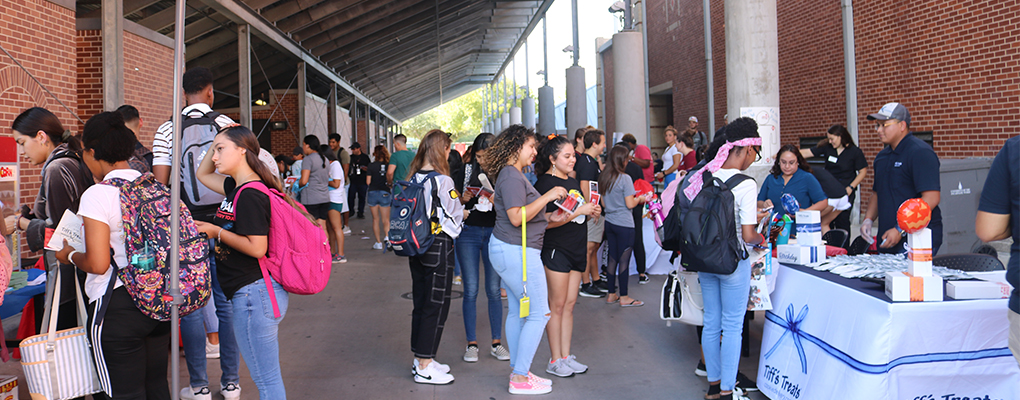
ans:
x=36 y=119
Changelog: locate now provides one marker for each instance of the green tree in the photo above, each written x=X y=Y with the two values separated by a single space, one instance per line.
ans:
x=460 y=117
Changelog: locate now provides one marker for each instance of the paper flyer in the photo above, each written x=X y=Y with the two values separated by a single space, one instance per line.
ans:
x=70 y=228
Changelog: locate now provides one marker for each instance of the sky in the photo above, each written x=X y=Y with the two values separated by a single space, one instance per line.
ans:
x=594 y=21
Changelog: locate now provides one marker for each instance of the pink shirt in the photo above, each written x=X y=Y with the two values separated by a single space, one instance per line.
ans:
x=642 y=152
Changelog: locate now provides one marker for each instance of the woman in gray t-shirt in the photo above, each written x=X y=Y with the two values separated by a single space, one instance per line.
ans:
x=619 y=199
x=512 y=151
x=314 y=179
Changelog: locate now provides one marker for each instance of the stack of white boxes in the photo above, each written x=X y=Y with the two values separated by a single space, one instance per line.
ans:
x=918 y=283
x=809 y=247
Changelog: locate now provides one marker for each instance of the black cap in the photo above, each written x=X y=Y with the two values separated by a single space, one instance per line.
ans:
x=298 y=151
x=355 y=145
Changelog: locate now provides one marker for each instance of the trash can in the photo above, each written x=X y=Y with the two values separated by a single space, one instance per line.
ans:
x=962 y=182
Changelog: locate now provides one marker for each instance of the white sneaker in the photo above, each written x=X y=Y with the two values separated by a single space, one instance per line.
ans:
x=212 y=350
x=500 y=352
x=457 y=280
x=190 y=393
x=231 y=391
x=445 y=368
x=578 y=368
x=431 y=374
x=377 y=246
x=347 y=231
x=471 y=354
x=559 y=368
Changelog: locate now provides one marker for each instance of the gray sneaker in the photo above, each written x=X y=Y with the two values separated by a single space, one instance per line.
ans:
x=500 y=352
x=578 y=368
x=471 y=354
x=559 y=368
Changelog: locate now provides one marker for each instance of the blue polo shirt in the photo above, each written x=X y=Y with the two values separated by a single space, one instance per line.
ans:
x=1001 y=195
x=901 y=174
x=803 y=186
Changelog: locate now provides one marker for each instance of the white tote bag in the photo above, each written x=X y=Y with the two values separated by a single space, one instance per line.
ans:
x=681 y=299
x=58 y=364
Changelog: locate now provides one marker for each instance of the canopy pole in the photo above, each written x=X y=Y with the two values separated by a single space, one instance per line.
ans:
x=175 y=202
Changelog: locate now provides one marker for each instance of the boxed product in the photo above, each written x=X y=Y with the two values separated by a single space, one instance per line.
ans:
x=8 y=387
x=919 y=254
x=809 y=228
x=967 y=290
x=901 y=286
x=800 y=254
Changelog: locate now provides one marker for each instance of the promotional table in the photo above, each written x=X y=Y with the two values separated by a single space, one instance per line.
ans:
x=830 y=337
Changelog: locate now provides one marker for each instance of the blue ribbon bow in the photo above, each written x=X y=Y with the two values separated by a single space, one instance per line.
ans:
x=793 y=330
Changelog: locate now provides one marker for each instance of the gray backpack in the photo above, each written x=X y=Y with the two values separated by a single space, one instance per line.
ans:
x=197 y=135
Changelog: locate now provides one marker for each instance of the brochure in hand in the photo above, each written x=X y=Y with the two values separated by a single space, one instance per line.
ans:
x=479 y=192
x=70 y=228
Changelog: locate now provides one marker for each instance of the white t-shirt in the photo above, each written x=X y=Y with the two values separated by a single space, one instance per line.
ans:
x=451 y=212
x=102 y=203
x=667 y=157
x=336 y=171
x=745 y=200
x=163 y=144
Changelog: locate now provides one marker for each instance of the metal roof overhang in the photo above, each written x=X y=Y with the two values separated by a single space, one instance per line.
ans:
x=385 y=53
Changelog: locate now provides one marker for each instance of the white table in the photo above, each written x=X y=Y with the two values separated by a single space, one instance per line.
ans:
x=833 y=338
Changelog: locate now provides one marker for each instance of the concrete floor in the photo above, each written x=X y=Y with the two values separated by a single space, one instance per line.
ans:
x=352 y=342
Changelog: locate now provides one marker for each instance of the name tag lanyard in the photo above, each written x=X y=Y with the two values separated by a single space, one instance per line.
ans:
x=525 y=303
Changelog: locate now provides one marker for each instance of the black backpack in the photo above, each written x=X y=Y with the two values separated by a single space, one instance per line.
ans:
x=708 y=236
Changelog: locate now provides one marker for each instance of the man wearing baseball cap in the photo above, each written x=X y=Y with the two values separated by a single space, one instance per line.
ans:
x=907 y=168
x=699 y=137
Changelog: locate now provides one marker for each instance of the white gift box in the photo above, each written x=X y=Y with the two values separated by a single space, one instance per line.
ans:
x=966 y=290
x=809 y=228
x=919 y=255
x=901 y=286
x=800 y=254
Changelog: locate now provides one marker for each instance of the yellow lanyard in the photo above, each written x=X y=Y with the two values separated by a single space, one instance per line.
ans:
x=525 y=303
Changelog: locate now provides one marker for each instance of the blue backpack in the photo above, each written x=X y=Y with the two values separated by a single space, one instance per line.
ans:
x=412 y=227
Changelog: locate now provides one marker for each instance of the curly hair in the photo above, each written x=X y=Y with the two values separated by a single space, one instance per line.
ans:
x=740 y=128
x=505 y=148
x=548 y=149
x=777 y=170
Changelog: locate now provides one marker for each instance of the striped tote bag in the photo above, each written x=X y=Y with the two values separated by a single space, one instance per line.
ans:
x=58 y=364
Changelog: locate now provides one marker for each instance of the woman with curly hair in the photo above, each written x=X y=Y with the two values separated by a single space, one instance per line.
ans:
x=518 y=203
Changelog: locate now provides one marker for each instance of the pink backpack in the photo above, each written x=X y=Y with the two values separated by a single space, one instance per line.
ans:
x=298 y=257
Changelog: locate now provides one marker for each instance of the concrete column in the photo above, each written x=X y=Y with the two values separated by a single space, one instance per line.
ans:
x=113 y=53
x=515 y=115
x=630 y=104
x=354 y=119
x=577 y=107
x=331 y=109
x=244 y=73
x=504 y=121
x=752 y=64
x=528 y=112
x=301 y=90
x=547 y=111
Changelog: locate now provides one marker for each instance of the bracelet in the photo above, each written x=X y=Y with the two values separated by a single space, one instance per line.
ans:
x=218 y=233
x=70 y=257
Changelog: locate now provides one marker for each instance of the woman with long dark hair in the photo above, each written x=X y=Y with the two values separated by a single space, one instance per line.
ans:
x=791 y=174
x=432 y=272
x=241 y=229
x=379 y=193
x=472 y=248
x=335 y=226
x=563 y=252
x=41 y=138
x=845 y=161
x=620 y=197
x=314 y=180
x=518 y=203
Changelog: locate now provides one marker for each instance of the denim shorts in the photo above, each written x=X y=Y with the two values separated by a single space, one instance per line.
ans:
x=379 y=198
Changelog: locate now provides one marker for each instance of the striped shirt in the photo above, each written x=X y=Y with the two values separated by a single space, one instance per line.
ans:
x=162 y=144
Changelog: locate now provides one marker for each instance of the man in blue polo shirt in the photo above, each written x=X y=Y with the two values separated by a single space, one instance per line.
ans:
x=998 y=218
x=906 y=169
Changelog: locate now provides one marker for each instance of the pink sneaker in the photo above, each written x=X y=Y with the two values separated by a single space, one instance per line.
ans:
x=536 y=379
x=529 y=387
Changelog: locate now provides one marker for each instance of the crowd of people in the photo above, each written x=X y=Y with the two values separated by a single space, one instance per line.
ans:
x=500 y=209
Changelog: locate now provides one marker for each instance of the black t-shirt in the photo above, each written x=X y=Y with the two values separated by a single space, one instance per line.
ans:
x=569 y=237
x=843 y=166
x=475 y=217
x=833 y=188
x=1001 y=195
x=250 y=216
x=456 y=169
x=634 y=171
x=904 y=173
x=357 y=174
x=377 y=171
x=586 y=168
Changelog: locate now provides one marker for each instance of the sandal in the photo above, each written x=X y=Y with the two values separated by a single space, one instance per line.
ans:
x=633 y=303
x=612 y=298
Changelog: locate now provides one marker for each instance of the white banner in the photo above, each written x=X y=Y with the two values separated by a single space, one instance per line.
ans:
x=827 y=341
x=768 y=127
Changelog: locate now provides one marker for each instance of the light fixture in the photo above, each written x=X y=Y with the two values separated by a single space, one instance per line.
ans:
x=617 y=7
x=568 y=49
x=260 y=102
x=540 y=72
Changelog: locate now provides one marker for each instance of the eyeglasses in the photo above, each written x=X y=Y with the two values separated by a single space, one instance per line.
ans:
x=757 y=153
x=788 y=163
x=880 y=125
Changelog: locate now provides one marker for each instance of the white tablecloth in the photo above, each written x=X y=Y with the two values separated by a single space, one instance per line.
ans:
x=824 y=340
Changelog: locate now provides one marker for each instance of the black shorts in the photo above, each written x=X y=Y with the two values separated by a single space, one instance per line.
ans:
x=319 y=211
x=563 y=261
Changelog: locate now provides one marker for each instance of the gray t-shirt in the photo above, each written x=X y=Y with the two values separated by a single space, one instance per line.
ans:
x=513 y=190
x=617 y=212
x=318 y=178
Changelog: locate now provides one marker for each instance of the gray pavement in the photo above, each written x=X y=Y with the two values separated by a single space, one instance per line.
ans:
x=352 y=342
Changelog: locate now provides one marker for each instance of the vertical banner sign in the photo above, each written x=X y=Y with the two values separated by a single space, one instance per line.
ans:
x=9 y=190
x=768 y=127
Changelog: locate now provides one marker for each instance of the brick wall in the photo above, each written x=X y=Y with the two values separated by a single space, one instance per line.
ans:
x=40 y=35
x=953 y=65
x=283 y=141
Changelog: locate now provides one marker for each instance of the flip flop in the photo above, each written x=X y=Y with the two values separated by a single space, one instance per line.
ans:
x=633 y=303
x=614 y=301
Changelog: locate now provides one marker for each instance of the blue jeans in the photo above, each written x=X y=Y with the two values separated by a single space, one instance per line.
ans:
x=472 y=244
x=523 y=335
x=725 y=298
x=193 y=335
x=256 y=331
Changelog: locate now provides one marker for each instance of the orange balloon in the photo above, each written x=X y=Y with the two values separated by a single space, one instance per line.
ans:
x=913 y=215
